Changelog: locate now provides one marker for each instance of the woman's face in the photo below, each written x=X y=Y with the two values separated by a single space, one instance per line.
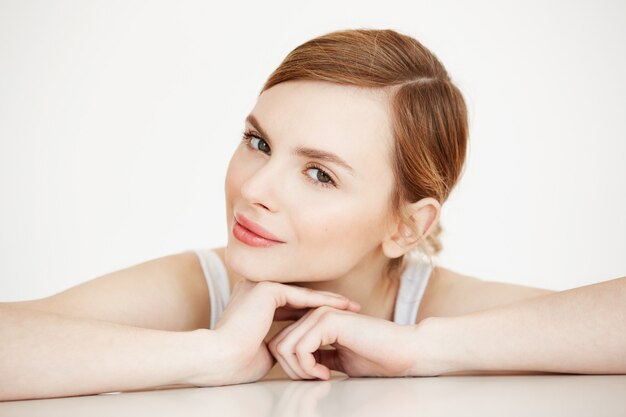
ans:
x=314 y=171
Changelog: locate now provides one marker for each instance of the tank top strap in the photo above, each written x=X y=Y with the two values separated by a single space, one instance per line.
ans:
x=412 y=286
x=217 y=280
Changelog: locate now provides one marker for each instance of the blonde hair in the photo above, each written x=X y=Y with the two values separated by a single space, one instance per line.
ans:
x=429 y=116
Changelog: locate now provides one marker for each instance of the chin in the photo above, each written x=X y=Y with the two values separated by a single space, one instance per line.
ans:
x=251 y=263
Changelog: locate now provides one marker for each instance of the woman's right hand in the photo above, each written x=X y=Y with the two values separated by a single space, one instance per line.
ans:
x=247 y=319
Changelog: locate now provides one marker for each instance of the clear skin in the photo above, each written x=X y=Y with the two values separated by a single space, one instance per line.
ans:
x=338 y=235
x=336 y=222
x=463 y=324
x=338 y=240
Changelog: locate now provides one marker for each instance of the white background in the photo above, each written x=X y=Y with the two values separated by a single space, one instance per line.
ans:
x=118 y=118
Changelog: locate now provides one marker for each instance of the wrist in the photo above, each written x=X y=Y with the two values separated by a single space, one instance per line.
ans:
x=207 y=359
x=437 y=348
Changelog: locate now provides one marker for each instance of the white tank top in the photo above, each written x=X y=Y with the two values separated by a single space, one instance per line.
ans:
x=412 y=285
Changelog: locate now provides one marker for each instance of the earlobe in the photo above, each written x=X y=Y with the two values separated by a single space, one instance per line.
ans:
x=422 y=216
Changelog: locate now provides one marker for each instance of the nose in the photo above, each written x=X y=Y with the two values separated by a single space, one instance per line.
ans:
x=260 y=188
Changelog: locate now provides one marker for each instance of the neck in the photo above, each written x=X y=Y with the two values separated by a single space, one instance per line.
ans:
x=368 y=283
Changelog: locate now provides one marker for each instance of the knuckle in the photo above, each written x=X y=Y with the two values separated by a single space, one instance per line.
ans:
x=326 y=315
x=282 y=348
x=300 y=350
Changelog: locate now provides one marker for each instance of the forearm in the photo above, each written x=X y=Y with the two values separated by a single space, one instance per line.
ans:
x=45 y=355
x=582 y=330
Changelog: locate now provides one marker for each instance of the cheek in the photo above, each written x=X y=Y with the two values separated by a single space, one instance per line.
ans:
x=349 y=224
x=333 y=239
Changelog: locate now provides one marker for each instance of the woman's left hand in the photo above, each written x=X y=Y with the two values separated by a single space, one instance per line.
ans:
x=364 y=345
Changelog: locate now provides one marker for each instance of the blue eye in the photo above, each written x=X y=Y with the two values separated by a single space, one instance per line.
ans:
x=320 y=177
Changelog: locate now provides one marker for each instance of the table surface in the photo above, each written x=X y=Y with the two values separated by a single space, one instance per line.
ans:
x=512 y=395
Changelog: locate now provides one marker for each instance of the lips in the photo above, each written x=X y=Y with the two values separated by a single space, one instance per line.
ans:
x=252 y=233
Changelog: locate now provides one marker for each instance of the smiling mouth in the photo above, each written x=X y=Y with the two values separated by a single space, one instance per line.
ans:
x=250 y=238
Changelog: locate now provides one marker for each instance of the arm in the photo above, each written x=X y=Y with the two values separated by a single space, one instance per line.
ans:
x=467 y=325
x=582 y=330
x=45 y=355
x=113 y=332
x=90 y=340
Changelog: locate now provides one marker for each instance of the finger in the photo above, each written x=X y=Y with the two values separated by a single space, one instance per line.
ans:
x=271 y=347
x=285 y=366
x=283 y=350
x=278 y=337
x=302 y=324
x=324 y=332
x=287 y=340
x=252 y=301
x=296 y=297
x=353 y=306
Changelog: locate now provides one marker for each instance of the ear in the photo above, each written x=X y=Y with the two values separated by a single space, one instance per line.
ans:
x=407 y=232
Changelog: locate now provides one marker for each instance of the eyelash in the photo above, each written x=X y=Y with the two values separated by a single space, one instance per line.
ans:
x=247 y=139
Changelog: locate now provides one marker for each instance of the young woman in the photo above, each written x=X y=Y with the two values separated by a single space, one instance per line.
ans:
x=355 y=142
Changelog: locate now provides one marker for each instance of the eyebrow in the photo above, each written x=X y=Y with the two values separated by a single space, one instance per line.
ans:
x=304 y=151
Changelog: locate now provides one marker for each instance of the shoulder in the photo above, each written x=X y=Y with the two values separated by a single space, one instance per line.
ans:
x=450 y=293
x=164 y=293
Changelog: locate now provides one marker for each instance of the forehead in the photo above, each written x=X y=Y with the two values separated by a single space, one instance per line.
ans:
x=349 y=121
